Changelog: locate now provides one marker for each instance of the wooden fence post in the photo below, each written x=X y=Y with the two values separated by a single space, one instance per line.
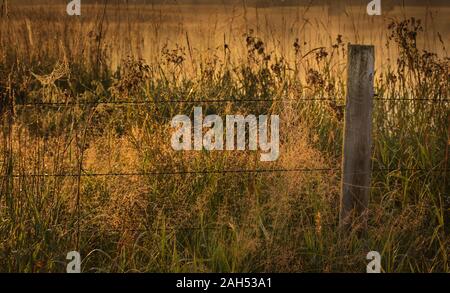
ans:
x=356 y=173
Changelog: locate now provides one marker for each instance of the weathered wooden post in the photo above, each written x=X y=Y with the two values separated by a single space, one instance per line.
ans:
x=356 y=173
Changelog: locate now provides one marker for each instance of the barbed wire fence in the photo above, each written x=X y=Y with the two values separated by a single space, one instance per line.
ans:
x=81 y=173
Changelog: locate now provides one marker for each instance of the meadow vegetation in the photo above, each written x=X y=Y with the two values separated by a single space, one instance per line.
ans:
x=83 y=169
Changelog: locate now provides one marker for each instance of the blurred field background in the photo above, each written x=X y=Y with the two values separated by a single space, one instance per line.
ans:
x=86 y=159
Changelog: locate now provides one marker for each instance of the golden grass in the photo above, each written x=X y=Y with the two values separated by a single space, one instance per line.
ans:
x=213 y=222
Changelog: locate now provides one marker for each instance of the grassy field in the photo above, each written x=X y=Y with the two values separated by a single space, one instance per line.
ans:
x=82 y=169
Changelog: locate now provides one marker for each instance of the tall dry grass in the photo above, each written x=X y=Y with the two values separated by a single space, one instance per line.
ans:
x=230 y=222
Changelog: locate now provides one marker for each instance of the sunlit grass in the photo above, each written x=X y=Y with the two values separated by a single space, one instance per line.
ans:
x=249 y=222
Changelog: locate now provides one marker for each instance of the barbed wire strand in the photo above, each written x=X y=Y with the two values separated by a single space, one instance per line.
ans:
x=217 y=101
x=200 y=172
